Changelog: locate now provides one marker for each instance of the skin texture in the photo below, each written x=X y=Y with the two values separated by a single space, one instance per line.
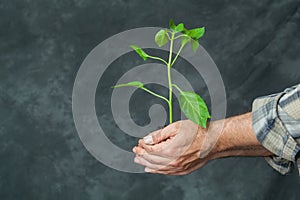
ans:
x=182 y=147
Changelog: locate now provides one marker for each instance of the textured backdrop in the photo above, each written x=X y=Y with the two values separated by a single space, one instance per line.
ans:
x=255 y=45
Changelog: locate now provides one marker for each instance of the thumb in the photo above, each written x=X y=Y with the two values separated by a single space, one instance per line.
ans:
x=161 y=134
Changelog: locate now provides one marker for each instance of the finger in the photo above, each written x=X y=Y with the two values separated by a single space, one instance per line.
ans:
x=161 y=134
x=140 y=160
x=156 y=149
x=153 y=171
x=149 y=139
x=168 y=170
x=140 y=142
x=154 y=159
x=187 y=171
x=180 y=172
x=165 y=172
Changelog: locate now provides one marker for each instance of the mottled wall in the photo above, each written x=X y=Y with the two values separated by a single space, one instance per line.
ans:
x=255 y=45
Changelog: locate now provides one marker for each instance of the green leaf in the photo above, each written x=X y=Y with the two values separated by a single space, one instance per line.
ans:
x=172 y=25
x=139 y=51
x=133 y=84
x=194 y=107
x=179 y=27
x=197 y=33
x=195 y=45
x=186 y=31
x=185 y=39
x=161 y=38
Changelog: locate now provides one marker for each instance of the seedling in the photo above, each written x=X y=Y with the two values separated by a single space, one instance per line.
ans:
x=191 y=104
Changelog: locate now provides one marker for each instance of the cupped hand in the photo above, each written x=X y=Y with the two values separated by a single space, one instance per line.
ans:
x=174 y=150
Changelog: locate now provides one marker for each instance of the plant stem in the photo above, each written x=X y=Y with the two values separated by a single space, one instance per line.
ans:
x=177 y=88
x=182 y=35
x=170 y=80
x=154 y=94
x=177 y=55
x=157 y=58
x=168 y=34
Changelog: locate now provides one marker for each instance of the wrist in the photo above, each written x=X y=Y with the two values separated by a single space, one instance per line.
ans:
x=238 y=139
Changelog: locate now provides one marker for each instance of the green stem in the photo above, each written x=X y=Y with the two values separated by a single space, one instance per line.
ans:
x=177 y=55
x=182 y=35
x=168 y=35
x=154 y=94
x=169 y=31
x=177 y=88
x=170 y=80
x=157 y=58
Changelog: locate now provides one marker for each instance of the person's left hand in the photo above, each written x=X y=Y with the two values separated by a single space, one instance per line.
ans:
x=173 y=150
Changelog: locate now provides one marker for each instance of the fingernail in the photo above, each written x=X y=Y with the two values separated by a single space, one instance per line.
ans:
x=147 y=169
x=148 y=139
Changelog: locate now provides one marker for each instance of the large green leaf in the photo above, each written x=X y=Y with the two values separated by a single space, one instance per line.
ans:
x=133 y=84
x=139 y=51
x=196 y=33
x=194 y=108
x=161 y=38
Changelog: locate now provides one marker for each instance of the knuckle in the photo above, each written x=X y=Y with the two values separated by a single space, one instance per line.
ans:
x=148 y=148
x=151 y=149
x=174 y=164
x=157 y=137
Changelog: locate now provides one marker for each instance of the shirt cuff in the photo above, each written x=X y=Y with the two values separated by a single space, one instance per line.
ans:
x=272 y=134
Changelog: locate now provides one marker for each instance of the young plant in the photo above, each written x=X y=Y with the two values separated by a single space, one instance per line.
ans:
x=191 y=104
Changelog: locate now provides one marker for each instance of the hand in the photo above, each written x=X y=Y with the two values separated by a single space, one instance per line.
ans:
x=174 y=150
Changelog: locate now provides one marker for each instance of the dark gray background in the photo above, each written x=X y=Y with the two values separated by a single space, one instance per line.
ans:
x=255 y=45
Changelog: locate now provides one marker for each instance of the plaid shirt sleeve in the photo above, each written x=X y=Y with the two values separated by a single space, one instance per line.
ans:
x=276 y=123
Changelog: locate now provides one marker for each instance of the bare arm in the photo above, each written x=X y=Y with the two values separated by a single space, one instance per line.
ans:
x=238 y=139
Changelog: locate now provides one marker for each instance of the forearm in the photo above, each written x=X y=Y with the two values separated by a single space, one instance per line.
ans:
x=238 y=139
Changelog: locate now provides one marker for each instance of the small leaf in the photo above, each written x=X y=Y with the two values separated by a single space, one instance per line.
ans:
x=197 y=33
x=139 y=51
x=179 y=27
x=133 y=84
x=195 y=45
x=185 y=39
x=172 y=25
x=194 y=107
x=175 y=28
x=161 y=38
